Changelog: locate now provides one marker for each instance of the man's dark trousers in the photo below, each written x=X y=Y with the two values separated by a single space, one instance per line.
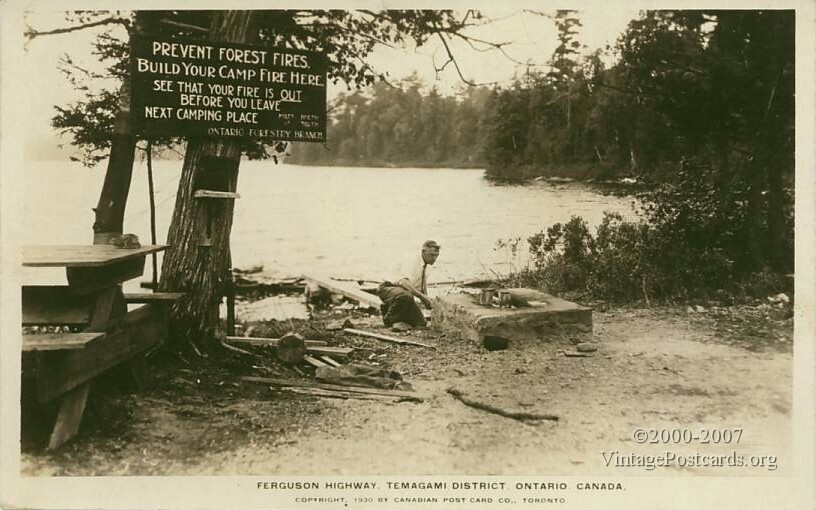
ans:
x=399 y=306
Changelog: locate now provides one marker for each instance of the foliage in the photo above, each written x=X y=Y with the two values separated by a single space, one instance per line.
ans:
x=688 y=241
x=701 y=106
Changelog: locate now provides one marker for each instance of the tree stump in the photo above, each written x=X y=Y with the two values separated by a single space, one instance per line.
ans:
x=291 y=348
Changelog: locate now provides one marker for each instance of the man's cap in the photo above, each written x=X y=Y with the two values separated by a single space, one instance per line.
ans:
x=431 y=244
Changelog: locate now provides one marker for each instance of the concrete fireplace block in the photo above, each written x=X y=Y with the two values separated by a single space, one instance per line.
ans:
x=549 y=318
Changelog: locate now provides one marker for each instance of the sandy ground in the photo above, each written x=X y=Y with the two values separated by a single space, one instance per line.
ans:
x=654 y=369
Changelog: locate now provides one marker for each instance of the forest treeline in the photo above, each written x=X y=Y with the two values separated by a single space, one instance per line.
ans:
x=698 y=104
x=403 y=124
x=684 y=82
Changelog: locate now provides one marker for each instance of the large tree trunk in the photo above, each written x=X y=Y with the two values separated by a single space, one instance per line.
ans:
x=110 y=210
x=187 y=267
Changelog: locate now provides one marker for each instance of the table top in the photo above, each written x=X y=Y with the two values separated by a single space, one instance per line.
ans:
x=94 y=255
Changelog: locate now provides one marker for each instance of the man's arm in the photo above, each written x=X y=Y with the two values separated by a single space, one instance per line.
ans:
x=405 y=283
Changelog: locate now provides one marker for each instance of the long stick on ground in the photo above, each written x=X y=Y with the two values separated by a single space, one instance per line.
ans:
x=386 y=338
x=325 y=386
x=501 y=412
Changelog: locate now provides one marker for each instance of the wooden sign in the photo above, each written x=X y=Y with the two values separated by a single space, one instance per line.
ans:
x=185 y=87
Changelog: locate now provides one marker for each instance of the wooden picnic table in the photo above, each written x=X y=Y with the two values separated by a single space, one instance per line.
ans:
x=93 y=255
x=93 y=302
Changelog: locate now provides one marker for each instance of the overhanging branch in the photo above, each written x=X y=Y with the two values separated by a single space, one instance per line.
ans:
x=452 y=60
x=31 y=33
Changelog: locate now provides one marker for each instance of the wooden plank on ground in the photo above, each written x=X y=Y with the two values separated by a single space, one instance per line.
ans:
x=272 y=342
x=329 y=351
x=326 y=386
x=314 y=361
x=348 y=289
x=330 y=361
x=386 y=338
x=58 y=341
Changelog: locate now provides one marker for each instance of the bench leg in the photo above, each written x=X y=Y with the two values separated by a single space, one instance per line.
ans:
x=70 y=415
x=139 y=372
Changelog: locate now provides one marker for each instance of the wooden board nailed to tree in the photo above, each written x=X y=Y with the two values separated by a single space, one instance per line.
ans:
x=187 y=87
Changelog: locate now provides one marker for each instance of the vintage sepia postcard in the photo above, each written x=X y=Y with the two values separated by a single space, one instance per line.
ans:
x=407 y=255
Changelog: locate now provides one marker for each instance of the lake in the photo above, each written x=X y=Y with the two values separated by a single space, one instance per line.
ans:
x=339 y=221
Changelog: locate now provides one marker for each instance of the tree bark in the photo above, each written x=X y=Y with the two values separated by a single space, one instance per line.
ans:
x=110 y=210
x=187 y=267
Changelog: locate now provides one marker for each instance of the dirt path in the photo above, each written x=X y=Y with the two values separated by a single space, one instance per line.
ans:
x=651 y=371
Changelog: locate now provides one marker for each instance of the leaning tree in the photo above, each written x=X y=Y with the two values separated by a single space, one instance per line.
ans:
x=99 y=122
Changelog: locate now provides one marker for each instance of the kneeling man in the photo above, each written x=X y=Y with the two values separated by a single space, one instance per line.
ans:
x=408 y=280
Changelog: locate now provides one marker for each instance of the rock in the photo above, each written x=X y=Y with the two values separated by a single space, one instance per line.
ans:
x=689 y=309
x=699 y=309
x=586 y=347
x=401 y=326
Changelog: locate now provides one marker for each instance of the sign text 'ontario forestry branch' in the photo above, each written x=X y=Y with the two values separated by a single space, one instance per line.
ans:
x=197 y=88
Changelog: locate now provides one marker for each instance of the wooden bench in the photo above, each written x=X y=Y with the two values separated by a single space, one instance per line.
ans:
x=153 y=297
x=59 y=366
x=58 y=341
x=67 y=360
x=158 y=302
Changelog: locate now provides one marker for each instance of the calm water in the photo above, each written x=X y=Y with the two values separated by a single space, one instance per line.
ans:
x=347 y=222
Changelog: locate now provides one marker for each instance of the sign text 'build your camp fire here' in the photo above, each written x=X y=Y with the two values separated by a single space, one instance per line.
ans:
x=201 y=88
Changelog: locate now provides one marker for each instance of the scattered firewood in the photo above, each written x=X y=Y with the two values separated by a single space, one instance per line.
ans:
x=314 y=361
x=232 y=348
x=340 y=352
x=409 y=396
x=329 y=360
x=501 y=412
x=317 y=392
x=270 y=342
x=386 y=338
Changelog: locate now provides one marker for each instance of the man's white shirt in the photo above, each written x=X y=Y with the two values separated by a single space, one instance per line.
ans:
x=410 y=267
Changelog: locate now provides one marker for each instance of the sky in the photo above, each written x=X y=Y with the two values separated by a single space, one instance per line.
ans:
x=529 y=37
